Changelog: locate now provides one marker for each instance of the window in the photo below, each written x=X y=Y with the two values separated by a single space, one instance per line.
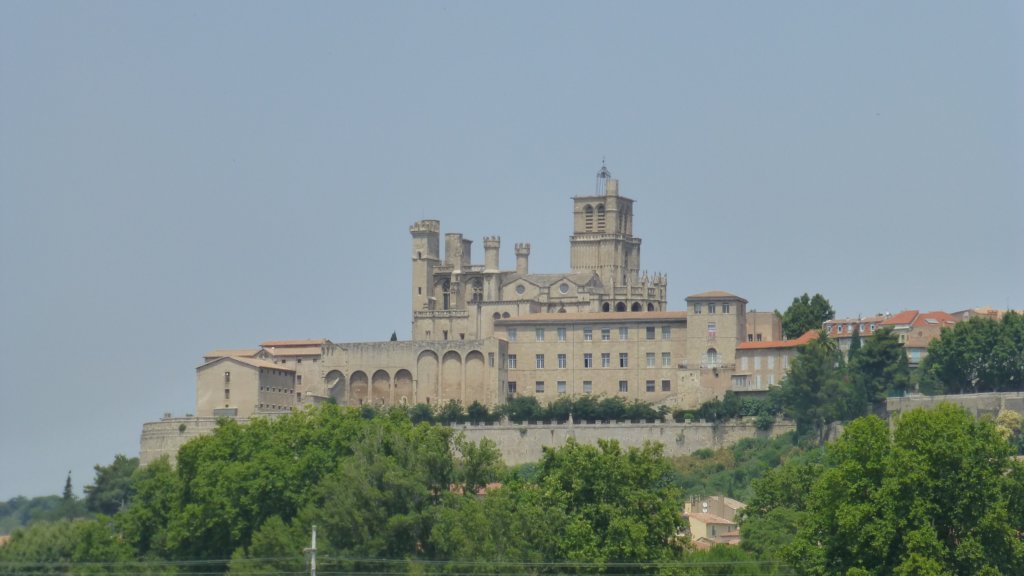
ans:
x=588 y=334
x=561 y=361
x=623 y=386
x=540 y=334
x=666 y=332
x=561 y=334
x=757 y=362
x=712 y=329
x=511 y=388
x=666 y=359
x=666 y=385
x=560 y=387
x=588 y=360
x=649 y=386
x=540 y=360
x=606 y=360
x=624 y=333
x=227 y=394
x=757 y=380
x=512 y=334
x=839 y=329
x=512 y=361
x=711 y=308
x=771 y=362
x=650 y=332
x=829 y=328
x=750 y=337
x=588 y=386
x=696 y=307
x=623 y=360
x=725 y=308
x=759 y=337
x=606 y=334
x=651 y=360
x=490 y=359
x=872 y=327
x=539 y=387
x=227 y=376
x=771 y=379
x=743 y=363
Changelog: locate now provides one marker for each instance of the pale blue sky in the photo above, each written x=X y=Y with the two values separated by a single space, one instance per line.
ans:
x=181 y=176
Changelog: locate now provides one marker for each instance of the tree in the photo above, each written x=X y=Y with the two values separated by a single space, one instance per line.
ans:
x=111 y=489
x=855 y=343
x=806 y=313
x=931 y=496
x=880 y=366
x=394 y=336
x=619 y=504
x=979 y=355
x=477 y=465
x=815 y=391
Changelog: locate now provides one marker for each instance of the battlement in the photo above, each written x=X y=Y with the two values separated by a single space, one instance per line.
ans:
x=426 y=226
x=492 y=241
x=523 y=249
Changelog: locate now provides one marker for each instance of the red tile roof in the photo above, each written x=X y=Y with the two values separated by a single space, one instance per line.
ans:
x=905 y=317
x=938 y=318
x=804 y=339
x=594 y=317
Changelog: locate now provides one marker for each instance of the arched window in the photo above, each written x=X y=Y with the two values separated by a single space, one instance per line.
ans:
x=650 y=306
x=606 y=307
x=446 y=296
x=636 y=307
x=600 y=218
x=620 y=307
x=496 y=315
x=478 y=292
x=588 y=218
x=711 y=359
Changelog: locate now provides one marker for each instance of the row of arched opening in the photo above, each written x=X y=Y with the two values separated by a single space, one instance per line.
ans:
x=621 y=307
x=437 y=379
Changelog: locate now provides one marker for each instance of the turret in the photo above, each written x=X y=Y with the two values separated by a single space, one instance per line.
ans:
x=426 y=235
x=491 y=246
x=453 y=250
x=523 y=258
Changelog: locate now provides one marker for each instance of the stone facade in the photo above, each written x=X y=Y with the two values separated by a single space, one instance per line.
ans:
x=518 y=443
x=483 y=334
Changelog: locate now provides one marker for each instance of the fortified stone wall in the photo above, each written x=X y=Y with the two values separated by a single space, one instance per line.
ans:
x=985 y=404
x=519 y=443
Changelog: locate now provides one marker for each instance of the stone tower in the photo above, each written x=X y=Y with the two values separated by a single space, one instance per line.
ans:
x=426 y=236
x=603 y=242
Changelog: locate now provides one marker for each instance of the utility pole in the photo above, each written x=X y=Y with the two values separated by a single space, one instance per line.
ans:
x=312 y=554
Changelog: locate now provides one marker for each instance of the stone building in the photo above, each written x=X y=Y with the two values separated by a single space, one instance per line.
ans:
x=483 y=334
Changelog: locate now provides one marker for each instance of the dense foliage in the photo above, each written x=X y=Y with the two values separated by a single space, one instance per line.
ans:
x=937 y=494
x=805 y=313
x=381 y=490
x=979 y=355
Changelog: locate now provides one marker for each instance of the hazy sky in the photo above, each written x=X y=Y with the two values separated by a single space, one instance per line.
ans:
x=182 y=176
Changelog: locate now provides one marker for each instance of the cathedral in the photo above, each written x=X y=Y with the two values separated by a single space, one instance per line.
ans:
x=483 y=334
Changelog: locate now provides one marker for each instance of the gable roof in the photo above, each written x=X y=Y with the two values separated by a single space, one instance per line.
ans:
x=294 y=351
x=905 y=317
x=253 y=362
x=547 y=280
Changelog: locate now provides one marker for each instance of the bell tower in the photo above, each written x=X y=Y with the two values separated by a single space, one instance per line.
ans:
x=602 y=238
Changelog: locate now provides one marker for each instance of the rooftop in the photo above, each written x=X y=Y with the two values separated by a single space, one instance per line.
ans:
x=595 y=317
x=804 y=339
